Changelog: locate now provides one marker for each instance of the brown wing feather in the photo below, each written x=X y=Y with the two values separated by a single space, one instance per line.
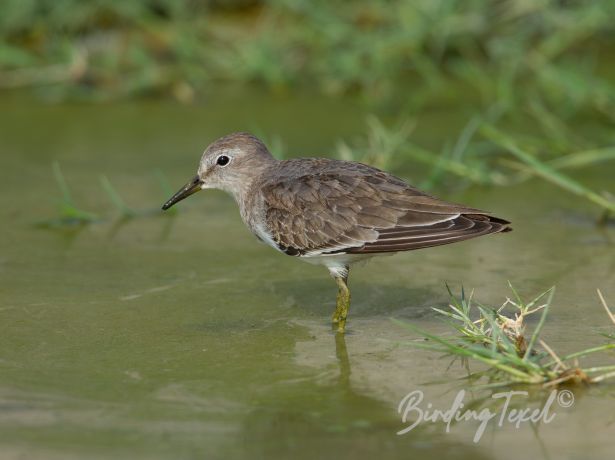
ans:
x=461 y=228
x=328 y=206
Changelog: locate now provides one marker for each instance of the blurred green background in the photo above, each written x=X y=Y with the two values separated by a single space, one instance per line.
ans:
x=402 y=54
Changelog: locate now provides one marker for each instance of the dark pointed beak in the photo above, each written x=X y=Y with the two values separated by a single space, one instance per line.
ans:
x=190 y=188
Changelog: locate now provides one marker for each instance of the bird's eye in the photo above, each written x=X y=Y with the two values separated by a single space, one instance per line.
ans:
x=222 y=160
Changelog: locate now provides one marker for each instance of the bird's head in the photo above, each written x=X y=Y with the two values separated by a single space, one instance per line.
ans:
x=228 y=164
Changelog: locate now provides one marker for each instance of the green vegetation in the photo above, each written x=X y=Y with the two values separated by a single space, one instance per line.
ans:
x=468 y=159
x=378 y=47
x=69 y=214
x=496 y=338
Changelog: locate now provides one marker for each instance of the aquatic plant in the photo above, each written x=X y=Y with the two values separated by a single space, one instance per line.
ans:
x=70 y=214
x=496 y=337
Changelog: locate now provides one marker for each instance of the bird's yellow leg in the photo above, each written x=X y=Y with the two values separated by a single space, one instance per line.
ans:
x=342 y=304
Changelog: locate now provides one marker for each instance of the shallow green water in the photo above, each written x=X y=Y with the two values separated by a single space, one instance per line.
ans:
x=182 y=337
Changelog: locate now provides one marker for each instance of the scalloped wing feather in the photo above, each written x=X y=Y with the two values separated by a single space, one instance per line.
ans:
x=319 y=207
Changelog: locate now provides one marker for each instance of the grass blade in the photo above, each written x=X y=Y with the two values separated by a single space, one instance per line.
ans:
x=115 y=198
x=545 y=171
x=539 y=326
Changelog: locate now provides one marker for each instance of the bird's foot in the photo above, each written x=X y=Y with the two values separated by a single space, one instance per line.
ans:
x=341 y=325
x=339 y=321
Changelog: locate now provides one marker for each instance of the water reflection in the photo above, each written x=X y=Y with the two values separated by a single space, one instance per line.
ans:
x=330 y=418
x=342 y=358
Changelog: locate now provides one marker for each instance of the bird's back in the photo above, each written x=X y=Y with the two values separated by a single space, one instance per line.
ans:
x=318 y=206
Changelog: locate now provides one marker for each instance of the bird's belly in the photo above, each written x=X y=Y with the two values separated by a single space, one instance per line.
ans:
x=338 y=264
x=338 y=259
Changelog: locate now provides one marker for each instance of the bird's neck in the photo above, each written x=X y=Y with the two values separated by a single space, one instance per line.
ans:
x=245 y=189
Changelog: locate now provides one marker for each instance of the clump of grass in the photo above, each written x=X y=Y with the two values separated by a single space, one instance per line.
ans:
x=546 y=172
x=497 y=337
x=386 y=147
x=495 y=158
x=381 y=144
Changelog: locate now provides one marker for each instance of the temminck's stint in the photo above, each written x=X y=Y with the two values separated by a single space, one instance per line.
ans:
x=330 y=212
